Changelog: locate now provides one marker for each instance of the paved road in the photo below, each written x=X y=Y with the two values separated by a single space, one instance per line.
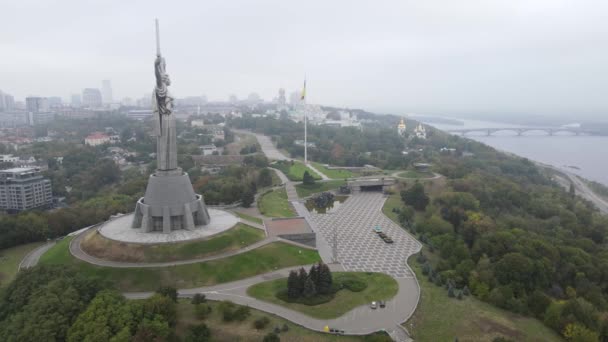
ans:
x=267 y=146
x=32 y=258
x=361 y=320
x=584 y=191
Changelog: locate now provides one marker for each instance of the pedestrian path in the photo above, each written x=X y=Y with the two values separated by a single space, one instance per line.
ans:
x=321 y=174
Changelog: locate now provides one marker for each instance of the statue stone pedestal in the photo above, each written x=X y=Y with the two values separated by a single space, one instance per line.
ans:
x=170 y=204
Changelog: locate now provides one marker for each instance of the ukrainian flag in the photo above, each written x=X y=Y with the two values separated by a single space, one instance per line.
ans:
x=303 y=97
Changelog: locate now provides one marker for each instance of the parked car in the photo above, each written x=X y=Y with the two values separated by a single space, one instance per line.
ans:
x=377 y=229
x=382 y=304
x=373 y=305
x=388 y=240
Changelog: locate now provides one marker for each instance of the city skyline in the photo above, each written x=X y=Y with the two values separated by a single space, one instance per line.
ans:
x=471 y=57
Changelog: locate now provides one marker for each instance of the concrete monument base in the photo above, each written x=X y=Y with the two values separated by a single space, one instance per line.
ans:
x=169 y=204
x=119 y=229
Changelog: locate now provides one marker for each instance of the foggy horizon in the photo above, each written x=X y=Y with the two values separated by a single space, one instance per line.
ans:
x=541 y=58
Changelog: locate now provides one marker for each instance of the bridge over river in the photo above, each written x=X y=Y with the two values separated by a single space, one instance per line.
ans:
x=550 y=131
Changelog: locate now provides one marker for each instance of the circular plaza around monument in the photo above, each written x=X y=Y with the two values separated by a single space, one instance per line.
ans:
x=119 y=229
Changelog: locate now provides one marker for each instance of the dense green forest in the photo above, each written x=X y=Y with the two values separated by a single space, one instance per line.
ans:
x=59 y=304
x=505 y=231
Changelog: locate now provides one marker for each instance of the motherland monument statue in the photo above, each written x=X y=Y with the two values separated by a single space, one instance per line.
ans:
x=169 y=202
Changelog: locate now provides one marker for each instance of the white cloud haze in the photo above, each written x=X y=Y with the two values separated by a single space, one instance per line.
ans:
x=542 y=57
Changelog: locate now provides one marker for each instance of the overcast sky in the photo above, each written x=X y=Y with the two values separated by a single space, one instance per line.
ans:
x=440 y=57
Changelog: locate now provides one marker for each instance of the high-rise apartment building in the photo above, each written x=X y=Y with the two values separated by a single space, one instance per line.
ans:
x=35 y=104
x=76 y=100
x=23 y=189
x=91 y=97
x=106 y=91
x=7 y=102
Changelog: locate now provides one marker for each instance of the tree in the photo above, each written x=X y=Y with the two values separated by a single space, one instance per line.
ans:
x=307 y=179
x=325 y=280
x=198 y=333
x=309 y=288
x=572 y=190
x=271 y=337
x=247 y=198
x=579 y=333
x=302 y=277
x=168 y=291
x=199 y=298
x=451 y=291
x=155 y=329
x=105 y=317
x=160 y=306
x=415 y=196
x=313 y=274
x=202 y=310
x=265 y=178
x=261 y=323
x=293 y=290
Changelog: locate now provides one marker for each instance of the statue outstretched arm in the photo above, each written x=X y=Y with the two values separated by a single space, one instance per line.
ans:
x=158 y=71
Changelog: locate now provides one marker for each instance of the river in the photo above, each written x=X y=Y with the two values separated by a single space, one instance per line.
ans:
x=584 y=155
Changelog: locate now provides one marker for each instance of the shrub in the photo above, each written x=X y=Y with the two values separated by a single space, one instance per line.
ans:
x=168 y=291
x=312 y=301
x=354 y=285
x=199 y=298
x=285 y=327
x=426 y=268
x=261 y=323
x=202 y=310
x=451 y=292
x=307 y=179
x=227 y=309
x=271 y=337
x=198 y=333
x=241 y=313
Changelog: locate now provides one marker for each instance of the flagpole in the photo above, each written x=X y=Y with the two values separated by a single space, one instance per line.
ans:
x=305 y=123
x=305 y=135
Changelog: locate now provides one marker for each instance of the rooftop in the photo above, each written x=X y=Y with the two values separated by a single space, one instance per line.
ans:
x=19 y=169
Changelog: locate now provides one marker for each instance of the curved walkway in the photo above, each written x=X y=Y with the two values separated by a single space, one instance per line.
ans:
x=396 y=175
x=360 y=321
x=32 y=258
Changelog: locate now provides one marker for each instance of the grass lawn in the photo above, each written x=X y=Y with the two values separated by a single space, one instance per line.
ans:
x=261 y=260
x=393 y=201
x=10 y=259
x=249 y=217
x=275 y=204
x=440 y=318
x=335 y=174
x=235 y=238
x=244 y=331
x=307 y=190
x=379 y=287
x=415 y=174
x=295 y=171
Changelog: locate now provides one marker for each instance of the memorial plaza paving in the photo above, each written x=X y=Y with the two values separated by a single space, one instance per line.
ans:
x=359 y=248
